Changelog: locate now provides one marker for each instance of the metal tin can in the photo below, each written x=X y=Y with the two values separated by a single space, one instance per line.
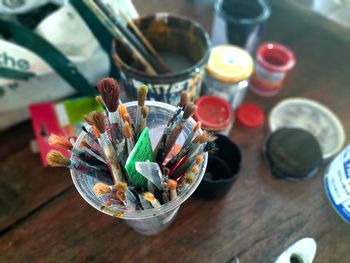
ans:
x=273 y=63
x=337 y=184
x=227 y=73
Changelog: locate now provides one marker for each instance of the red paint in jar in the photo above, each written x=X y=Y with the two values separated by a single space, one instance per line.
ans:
x=273 y=62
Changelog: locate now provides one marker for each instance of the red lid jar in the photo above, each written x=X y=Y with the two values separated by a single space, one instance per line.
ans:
x=273 y=62
x=215 y=114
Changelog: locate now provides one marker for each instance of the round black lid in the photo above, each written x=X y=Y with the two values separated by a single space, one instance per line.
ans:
x=293 y=153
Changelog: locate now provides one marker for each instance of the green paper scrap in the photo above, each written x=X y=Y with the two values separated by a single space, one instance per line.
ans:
x=77 y=108
x=142 y=152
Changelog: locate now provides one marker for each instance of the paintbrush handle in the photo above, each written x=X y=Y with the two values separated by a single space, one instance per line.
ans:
x=130 y=37
x=174 y=134
x=84 y=169
x=138 y=122
x=117 y=34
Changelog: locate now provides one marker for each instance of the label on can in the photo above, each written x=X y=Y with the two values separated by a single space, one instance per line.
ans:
x=337 y=184
x=265 y=80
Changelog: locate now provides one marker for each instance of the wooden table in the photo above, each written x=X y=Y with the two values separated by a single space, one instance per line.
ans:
x=43 y=218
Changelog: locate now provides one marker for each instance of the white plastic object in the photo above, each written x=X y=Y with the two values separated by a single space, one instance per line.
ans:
x=302 y=251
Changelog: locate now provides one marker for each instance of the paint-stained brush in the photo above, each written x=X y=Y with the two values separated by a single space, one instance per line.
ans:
x=174 y=134
x=57 y=159
x=141 y=97
x=110 y=93
x=107 y=147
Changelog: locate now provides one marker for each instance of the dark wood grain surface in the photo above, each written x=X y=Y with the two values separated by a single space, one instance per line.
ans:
x=43 y=218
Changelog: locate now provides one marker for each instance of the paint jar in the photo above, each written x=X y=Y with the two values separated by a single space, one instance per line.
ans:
x=239 y=22
x=337 y=184
x=227 y=73
x=183 y=44
x=215 y=114
x=150 y=221
x=273 y=63
x=222 y=169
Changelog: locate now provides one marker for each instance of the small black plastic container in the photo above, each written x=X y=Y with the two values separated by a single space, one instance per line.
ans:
x=222 y=169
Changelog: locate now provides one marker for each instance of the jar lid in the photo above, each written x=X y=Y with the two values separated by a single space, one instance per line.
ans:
x=311 y=116
x=250 y=116
x=214 y=113
x=275 y=57
x=230 y=63
x=293 y=153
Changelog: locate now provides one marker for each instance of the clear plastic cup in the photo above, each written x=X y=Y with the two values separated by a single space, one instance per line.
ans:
x=151 y=221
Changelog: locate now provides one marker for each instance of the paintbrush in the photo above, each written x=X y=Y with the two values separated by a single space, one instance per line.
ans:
x=107 y=147
x=185 y=147
x=150 y=198
x=172 y=185
x=57 y=159
x=145 y=42
x=110 y=92
x=128 y=137
x=130 y=37
x=100 y=101
x=89 y=134
x=92 y=151
x=178 y=169
x=189 y=110
x=101 y=189
x=187 y=181
x=88 y=156
x=145 y=111
x=158 y=152
x=134 y=52
x=141 y=97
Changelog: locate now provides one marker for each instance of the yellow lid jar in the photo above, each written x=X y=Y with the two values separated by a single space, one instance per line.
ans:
x=227 y=73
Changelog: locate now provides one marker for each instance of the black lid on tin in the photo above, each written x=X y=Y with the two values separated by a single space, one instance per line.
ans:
x=293 y=153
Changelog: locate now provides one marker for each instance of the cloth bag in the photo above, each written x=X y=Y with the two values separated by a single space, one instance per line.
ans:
x=60 y=57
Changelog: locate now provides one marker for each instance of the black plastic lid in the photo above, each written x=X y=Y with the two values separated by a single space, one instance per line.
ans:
x=293 y=153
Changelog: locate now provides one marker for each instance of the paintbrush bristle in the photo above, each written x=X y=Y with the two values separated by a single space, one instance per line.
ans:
x=96 y=132
x=199 y=159
x=190 y=109
x=189 y=179
x=141 y=95
x=195 y=169
x=121 y=187
x=149 y=196
x=98 y=121
x=110 y=92
x=88 y=119
x=197 y=126
x=183 y=99
x=59 y=142
x=203 y=137
x=122 y=110
x=84 y=144
x=211 y=137
x=101 y=189
x=145 y=111
x=57 y=159
x=172 y=184
x=99 y=100
x=127 y=130
x=127 y=118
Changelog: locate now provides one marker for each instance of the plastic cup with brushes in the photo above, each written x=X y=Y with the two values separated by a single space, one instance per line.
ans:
x=130 y=182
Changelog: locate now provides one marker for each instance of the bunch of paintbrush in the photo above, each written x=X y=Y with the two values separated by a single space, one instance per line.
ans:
x=130 y=36
x=112 y=137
